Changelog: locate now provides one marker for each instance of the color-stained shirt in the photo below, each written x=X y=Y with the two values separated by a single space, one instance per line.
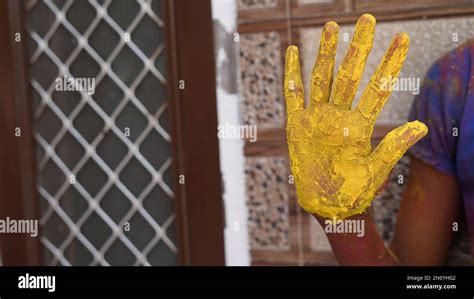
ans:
x=446 y=105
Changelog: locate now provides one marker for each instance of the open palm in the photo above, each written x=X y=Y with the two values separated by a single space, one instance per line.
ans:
x=337 y=174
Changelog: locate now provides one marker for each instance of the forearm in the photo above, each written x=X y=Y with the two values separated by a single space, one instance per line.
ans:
x=367 y=249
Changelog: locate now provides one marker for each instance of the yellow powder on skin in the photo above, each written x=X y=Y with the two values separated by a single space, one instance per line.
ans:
x=337 y=174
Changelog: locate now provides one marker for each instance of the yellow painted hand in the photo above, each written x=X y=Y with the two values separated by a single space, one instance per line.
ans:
x=336 y=172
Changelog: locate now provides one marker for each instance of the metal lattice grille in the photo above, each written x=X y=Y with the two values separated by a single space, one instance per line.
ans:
x=94 y=179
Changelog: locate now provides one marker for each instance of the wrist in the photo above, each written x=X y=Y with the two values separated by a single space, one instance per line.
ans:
x=322 y=220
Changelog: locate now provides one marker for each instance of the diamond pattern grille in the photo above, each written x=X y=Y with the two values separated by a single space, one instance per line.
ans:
x=94 y=179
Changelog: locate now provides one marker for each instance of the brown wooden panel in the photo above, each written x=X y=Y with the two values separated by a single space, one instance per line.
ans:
x=289 y=9
x=199 y=205
x=18 y=198
x=382 y=15
x=290 y=258
x=403 y=5
x=390 y=15
x=270 y=142
x=251 y=15
x=316 y=10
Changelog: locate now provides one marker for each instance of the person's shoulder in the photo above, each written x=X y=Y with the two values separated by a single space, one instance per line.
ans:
x=455 y=61
x=465 y=50
x=440 y=105
x=443 y=91
x=450 y=72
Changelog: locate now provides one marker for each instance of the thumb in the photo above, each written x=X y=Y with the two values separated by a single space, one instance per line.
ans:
x=396 y=143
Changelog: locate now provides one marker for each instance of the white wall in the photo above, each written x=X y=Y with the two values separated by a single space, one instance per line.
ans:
x=231 y=150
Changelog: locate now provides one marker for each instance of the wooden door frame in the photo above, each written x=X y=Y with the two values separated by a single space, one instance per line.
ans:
x=199 y=202
x=193 y=118
x=18 y=196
